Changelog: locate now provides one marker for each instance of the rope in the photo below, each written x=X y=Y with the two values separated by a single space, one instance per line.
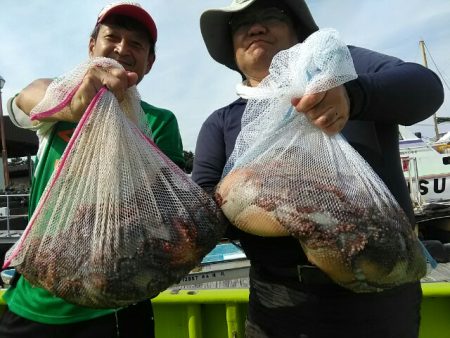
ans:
x=437 y=68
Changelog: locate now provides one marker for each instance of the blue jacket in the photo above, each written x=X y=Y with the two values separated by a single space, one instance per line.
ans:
x=387 y=92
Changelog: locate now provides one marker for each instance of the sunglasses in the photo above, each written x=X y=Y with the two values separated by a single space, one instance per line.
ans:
x=265 y=16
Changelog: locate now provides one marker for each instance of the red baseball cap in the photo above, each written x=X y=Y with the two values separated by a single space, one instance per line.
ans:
x=132 y=10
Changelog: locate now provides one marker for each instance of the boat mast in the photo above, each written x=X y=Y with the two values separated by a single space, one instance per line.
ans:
x=425 y=63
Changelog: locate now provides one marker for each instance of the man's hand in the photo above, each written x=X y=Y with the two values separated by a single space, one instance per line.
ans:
x=115 y=79
x=329 y=110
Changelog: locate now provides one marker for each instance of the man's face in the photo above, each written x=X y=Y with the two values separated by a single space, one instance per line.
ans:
x=130 y=48
x=258 y=34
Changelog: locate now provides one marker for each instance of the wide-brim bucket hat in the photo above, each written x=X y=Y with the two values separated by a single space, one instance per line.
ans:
x=214 y=25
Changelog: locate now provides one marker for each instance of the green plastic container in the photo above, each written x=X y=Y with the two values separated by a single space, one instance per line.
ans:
x=201 y=313
x=221 y=313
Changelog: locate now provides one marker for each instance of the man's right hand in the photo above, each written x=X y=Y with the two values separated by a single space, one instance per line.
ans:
x=115 y=79
x=328 y=110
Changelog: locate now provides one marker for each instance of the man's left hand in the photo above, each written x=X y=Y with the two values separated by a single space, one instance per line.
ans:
x=329 y=110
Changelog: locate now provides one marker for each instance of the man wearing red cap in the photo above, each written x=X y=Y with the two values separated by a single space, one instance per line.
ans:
x=126 y=33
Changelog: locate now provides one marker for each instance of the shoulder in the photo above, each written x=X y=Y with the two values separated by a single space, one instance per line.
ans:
x=165 y=132
x=160 y=120
x=157 y=112
x=238 y=104
x=231 y=111
x=368 y=60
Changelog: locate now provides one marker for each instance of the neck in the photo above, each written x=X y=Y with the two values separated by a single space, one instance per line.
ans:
x=253 y=81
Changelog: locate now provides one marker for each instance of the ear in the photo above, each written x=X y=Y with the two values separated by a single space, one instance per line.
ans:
x=91 y=46
x=150 y=61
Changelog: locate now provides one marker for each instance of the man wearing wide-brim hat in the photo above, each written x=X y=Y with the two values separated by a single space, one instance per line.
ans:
x=290 y=297
x=125 y=32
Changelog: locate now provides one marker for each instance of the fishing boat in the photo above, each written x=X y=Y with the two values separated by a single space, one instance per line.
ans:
x=426 y=166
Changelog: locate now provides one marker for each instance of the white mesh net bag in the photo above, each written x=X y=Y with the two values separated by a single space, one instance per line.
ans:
x=118 y=221
x=285 y=176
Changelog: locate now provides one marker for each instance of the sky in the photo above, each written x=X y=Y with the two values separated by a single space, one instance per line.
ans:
x=47 y=38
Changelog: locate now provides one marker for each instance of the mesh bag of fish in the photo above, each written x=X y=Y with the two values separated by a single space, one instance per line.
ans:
x=118 y=222
x=287 y=177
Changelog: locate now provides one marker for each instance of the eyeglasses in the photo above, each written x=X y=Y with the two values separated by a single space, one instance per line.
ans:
x=265 y=16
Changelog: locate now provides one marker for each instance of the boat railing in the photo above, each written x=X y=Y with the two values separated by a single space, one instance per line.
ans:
x=409 y=164
x=12 y=207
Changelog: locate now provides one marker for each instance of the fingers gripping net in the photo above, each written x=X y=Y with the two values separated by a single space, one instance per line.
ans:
x=62 y=89
x=118 y=222
x=285 y=176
